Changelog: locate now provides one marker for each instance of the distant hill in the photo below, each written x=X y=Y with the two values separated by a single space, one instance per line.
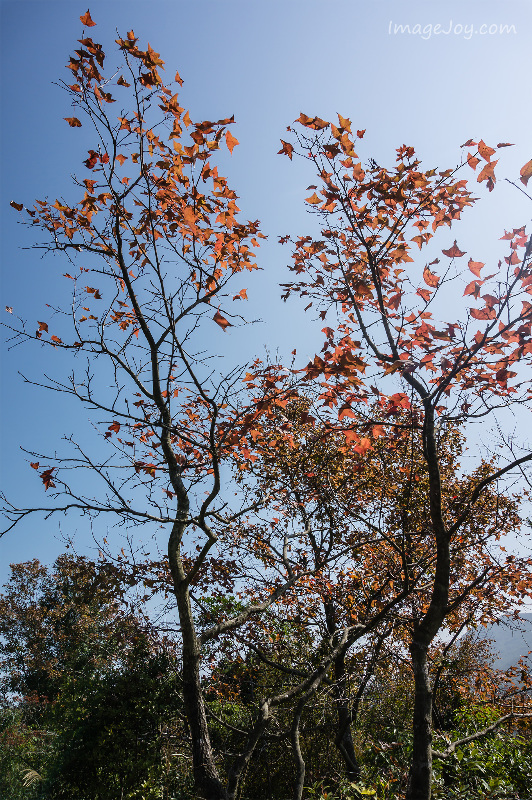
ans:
x=511 y=640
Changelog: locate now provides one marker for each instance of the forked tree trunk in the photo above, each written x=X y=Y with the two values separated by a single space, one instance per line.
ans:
x=420 y=775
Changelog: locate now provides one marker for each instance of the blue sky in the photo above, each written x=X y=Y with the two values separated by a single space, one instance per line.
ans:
x=264 y=62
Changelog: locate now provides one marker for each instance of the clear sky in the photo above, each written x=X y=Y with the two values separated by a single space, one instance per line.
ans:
x=265 y=62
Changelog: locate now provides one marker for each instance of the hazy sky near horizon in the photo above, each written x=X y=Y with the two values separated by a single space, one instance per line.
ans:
x=427 y=74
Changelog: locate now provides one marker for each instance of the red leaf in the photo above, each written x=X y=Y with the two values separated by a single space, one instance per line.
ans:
x=505 y=144
x=91 y=160
x=34 y=464
x=17 y=206
x=454 y=251
x=221 y=321
x=73 y=122
x=86 y=20
x=363 y=446
x=46 y=478
x=43 y=326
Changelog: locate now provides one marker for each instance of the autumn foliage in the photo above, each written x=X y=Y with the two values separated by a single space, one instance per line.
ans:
x=329 y=499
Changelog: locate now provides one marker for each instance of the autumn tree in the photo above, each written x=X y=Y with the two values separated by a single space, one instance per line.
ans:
x=154 y=244
x=369 y=508
x=384 y=342
x=156 y=252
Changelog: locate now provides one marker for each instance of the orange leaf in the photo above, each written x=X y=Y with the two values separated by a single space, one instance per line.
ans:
x=86 y=20
x=485 y=151
x=358 y=172
x=34 y=464
x=526 y=172
x=472 y=161
x=483 y=313
x=454 y=251
x=230 y=141
x=473 y=288
x=16 y=206
x=475 y=267
x=344 y=123
x=178 y=79
x=221 y=321
x=363 y=446
x=43 y=326
x=312 y=122
x=73 y=122
x=488 y=174
x=287 y=149
x=430 y=278
x=314 y=200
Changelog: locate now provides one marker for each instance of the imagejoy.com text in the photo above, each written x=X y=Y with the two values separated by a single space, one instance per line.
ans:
x=451 y=28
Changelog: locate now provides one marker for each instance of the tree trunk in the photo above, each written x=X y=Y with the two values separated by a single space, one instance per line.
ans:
x=206 y=779
x=344 y=738
x=420 y=776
